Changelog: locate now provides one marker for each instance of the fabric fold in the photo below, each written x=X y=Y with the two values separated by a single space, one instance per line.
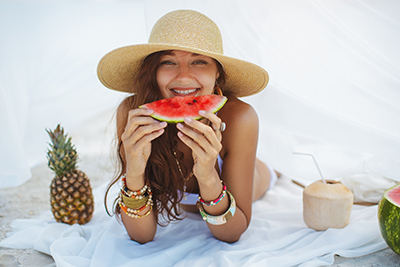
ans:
x=277 y=236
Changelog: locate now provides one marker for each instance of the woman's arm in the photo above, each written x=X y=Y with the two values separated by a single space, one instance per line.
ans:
x=238 y=151
x=136 y=131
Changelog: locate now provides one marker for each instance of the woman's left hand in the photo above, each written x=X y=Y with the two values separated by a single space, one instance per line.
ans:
x=204 y=141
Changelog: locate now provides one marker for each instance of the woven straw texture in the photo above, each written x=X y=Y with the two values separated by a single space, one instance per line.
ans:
x=185 y=30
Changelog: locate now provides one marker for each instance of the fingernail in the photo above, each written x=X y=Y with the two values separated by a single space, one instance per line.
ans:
x=163 y=124
x=179 y=125
x=202 y=112
x=187 y=120
x=150 y=110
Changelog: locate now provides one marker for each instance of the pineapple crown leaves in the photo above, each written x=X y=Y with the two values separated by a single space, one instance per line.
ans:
x=61 y=155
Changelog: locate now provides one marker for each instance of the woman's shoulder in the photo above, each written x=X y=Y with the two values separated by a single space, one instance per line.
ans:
x=238 y=112
x=242 y=127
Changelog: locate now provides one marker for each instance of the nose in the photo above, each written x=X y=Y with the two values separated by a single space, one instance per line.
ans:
x=184 y=73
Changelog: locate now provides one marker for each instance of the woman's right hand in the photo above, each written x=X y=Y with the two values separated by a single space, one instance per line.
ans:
x=140 y=130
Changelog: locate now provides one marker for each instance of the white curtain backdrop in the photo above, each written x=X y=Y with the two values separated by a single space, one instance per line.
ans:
x=49 y=54
x=334 y=76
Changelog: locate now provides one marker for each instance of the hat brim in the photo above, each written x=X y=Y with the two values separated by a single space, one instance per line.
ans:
x=118 y=68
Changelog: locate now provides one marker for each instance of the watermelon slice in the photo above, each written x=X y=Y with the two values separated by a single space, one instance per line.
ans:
x=389 y=217
x=176 y=109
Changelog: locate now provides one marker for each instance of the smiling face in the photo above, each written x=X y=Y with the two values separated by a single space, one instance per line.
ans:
x=183 y=73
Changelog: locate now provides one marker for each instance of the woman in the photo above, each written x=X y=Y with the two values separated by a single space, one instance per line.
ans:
x=161 y=164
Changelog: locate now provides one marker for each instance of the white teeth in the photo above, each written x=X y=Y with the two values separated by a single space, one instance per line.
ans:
x=184 y=92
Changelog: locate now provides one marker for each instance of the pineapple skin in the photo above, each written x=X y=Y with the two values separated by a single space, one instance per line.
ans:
x=71 y=198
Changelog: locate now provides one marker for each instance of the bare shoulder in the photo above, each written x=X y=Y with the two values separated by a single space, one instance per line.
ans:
x=241 y=124
x=238 y=113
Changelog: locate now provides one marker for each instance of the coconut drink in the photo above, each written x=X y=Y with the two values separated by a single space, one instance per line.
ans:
x=327 y=205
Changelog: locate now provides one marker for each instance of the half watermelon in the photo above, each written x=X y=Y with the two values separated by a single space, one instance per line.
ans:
x=389 y=217
x=176 y=109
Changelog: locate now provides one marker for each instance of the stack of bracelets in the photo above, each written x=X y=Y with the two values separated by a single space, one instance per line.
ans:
x=221 y=219
x=133 y=202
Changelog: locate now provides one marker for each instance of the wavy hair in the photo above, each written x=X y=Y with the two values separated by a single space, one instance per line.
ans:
x=161 y=171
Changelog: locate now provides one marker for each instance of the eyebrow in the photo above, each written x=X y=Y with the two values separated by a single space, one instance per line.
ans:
x=173 y=53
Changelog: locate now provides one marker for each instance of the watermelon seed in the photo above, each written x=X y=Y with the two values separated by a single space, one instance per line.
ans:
x=192 y=103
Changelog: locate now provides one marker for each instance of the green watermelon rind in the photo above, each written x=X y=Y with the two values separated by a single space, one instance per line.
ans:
x=389 y=221
x=159 y=117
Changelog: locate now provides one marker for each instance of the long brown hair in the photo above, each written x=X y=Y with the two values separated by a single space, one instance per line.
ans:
x=161 y=171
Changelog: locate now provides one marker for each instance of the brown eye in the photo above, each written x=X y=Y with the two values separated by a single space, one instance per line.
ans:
x=167 y=62
x=200 y=62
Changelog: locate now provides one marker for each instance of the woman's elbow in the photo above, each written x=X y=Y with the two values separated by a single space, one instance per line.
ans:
x=142 y=239
x=231 y=238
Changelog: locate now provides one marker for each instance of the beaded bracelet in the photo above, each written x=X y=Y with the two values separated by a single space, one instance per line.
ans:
x=130 y=193
x=136 y=210
x=221 y=219
x=133 y=215
x=216 y=201
x=133 y=202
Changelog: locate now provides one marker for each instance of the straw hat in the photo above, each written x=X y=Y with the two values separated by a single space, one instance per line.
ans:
x=185 y=30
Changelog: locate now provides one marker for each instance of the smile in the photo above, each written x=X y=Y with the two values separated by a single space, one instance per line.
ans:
x=184 y=92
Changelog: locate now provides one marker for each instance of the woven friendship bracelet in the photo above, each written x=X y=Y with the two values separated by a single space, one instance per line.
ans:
x=221 y=219
x=216 y=201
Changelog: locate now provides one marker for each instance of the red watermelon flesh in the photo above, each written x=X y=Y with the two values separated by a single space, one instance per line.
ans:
x=389 y=218
x=394 y=195
x=176 y=109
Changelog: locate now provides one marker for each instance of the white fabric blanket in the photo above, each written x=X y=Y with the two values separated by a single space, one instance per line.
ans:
x=277 y=236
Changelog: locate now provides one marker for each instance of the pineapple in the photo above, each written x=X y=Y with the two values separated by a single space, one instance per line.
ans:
x=70 y=191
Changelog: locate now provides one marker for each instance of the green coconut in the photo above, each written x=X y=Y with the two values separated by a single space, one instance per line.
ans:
x=327 y=205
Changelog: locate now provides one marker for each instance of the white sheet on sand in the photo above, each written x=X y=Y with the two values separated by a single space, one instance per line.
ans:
x=277 y=236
